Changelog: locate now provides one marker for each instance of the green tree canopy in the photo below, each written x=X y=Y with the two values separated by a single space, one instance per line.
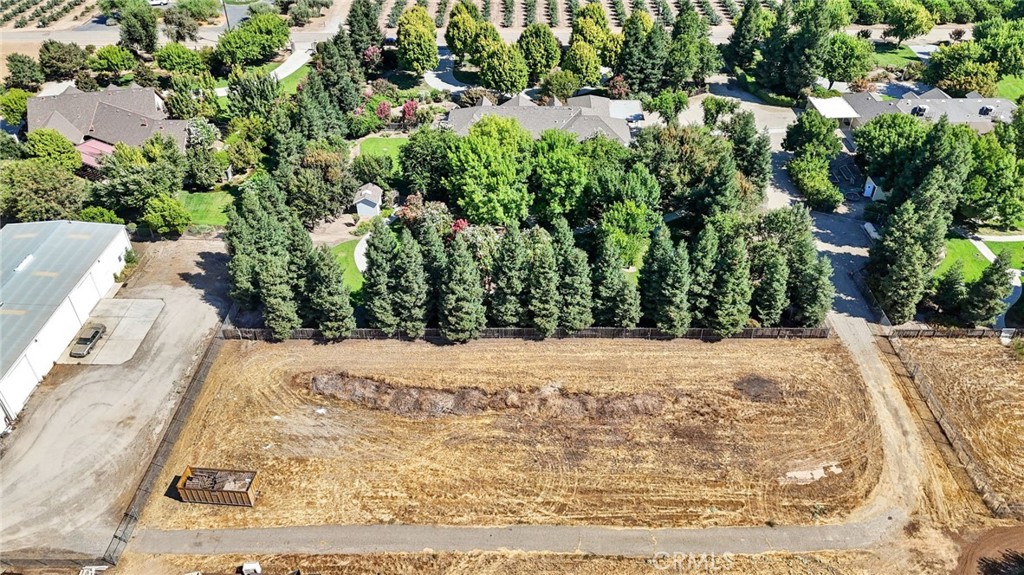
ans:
x=329 y=298
x=137 y=21
x=23 y=72
x=540 y=49
x=175 y=57
x=846 y=58
x=417 y=47
x=379 y=278
x=409 y=280
x=59 y=60
x=489 y=168
x=14 y=105
x=985 y=297
x=559 y=174
x=363 y=28
x=541 y=293
x=509 y=276
x=581 y=59
x=907 y=19
x=504 y=70
x=462 y=316
x=53 y=149
x=33 y=190
x=112 y=59
x=616 y=299
x=813 y=134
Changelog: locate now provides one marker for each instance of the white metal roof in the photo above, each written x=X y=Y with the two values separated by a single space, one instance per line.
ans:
x=834 y=108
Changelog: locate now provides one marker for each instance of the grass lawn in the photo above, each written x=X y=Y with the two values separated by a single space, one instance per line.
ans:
x=963 y=250
x=345 y=253
x=1016 y=252
x=269 y=66
x=207 y=208
x=1010 y=87
x=887 y=54
x=382 y=146
x=290 y=83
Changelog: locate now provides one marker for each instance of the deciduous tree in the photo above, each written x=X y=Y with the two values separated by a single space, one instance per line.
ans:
x=417 y=48
x=540 y=49
x=31 y=191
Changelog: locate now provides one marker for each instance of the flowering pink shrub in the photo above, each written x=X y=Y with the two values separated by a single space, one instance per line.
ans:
x=409 y=112
x=372 y=57
x=384 y=111
x=459 y=225
x=618 y=88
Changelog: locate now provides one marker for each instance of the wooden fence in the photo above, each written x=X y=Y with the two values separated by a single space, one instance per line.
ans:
x=434 y=335
x=957 y=333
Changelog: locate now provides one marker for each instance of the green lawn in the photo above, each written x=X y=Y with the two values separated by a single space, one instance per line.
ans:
x=290 y=83
x=345 y=253
x=963 y=250
x=1010 y=87
x=887 y=54
x=382 y=146
x=269 y=66
x=207 y=208
x=1016 y=251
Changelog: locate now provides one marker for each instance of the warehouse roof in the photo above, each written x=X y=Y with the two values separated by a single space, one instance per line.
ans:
x=40 y=263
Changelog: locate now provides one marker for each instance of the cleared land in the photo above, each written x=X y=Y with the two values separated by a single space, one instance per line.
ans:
x=981 y=386
x=604 y=432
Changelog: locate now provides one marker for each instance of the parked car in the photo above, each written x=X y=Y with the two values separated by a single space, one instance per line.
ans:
x=159 y=2
x=87 y=338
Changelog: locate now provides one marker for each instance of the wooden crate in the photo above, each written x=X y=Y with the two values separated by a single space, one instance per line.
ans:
x=220 y=495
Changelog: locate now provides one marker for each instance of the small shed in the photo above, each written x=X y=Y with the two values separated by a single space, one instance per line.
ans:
x=368 y=200
x=874 y=191
x=218 y=486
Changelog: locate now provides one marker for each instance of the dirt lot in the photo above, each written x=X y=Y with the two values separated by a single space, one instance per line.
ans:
x=981 y=385
x=569 y=432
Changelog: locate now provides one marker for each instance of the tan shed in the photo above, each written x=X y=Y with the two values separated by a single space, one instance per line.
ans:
x=218 y=486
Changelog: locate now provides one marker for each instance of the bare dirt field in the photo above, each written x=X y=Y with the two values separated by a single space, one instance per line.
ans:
x=603 y=432
x=981 y=386
x=502 y=564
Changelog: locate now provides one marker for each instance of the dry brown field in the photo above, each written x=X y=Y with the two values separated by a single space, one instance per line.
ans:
x=980 y=384
x=599 y=432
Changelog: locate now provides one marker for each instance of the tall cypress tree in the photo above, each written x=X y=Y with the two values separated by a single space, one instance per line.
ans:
x=743 y=42
x=951 y=290
x=730 y=304
x=985 y=297
x=632 y=64
x=752 y=149
x=410 y=287
x=771 y=69
x=805 y=51
x=771 y=274
x=575 y=292
x=817 y=295
x=299 y=249
x=462 y=306
x=674 y=315
x=702 y=276
x=434 y=261
x=616 y=299
x=280 y=313
x=897 y=265
x=378 y=283
x=542 y=296
x=363 y=30
x=657 y=262
x=329 y=297
x=509 y=275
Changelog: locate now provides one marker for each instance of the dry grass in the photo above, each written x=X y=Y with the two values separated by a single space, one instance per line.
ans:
x=981 y=385
x=712 y=454
x=502 y=563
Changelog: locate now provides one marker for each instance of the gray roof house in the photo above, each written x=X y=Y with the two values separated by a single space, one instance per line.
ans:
x=978 y=112
x=129 y=115
x=585 y=116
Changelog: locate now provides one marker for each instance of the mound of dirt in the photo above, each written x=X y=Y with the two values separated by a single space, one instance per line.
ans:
x=549 y=401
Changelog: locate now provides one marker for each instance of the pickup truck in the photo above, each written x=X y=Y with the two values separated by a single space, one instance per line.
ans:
x=87 y=338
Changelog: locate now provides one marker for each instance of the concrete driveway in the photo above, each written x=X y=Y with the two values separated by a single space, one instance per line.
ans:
x=73 y=461
x=128 y=321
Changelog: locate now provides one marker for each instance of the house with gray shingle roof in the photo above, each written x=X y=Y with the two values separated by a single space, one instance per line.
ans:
x=585 y=116
x=130 y=115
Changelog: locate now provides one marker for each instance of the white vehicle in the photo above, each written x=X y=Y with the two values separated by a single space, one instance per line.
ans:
x=159 y=2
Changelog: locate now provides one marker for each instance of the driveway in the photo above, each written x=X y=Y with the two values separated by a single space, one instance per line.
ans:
x=71 y=465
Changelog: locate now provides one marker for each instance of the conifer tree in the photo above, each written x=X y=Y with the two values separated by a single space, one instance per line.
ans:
x=985 y=297
x=815 y=297
x=951 y=290
x=509 y=275
x=280 y=313
x=771 y=69
x=410 y=287
x=702 y=276
x=434 y=261
x=363 y=29
x=743 y=42
x=616 y=299
x=542 y=296
x=730 y=303
x=657 y=262
x=462 y=314
x=329 y=297
x=575 y=292
x=299 y=248
x=562 y=239
x=897 y=265
x=378 y=282
x=674 y=315
x=771 y=273
x=752 y=149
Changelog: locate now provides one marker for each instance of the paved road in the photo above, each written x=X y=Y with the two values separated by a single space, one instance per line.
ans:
x=87 y=433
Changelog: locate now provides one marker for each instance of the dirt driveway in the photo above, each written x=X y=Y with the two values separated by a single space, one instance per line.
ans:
x=72 y=463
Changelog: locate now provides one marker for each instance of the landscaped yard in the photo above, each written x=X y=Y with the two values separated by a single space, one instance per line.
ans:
x=1010 y=87
x=887 y=54
x=207 y=208
x=290 y=83
x=382 y=146
x=963 y=250
x=345 y=253
x=268 y=67
x=1016 y=251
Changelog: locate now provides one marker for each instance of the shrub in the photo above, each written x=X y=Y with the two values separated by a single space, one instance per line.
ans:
x=747 y=83
x=810 y=174
x=99 y=215
x=165 y=215
x=373 y=169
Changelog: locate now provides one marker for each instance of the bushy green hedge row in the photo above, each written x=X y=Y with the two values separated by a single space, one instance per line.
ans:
x=747 y=83
x=810 y=174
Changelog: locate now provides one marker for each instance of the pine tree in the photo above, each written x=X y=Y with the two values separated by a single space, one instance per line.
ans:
x=702 y=276
x=751 y=149
x=575 y=292
x=768 y=266
x=363 y=29
x=562 y=239
x=719 y=192
x=509 y=275
x=329 y=297
x=462 y=315
x=616 y=299
x=657 y=262
x=730 y=304
x=985 y=297
x=816 y=295
x=280 y=313
x=674 y=315
x=805 y=54
x=896 y=266
x=951 y=290
x=434 y=262
x=631 y=64
x=378 y=283
x=770 y=71
x=743 y=42
x=410 y=287
x=542 y=296
x=299 y=248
